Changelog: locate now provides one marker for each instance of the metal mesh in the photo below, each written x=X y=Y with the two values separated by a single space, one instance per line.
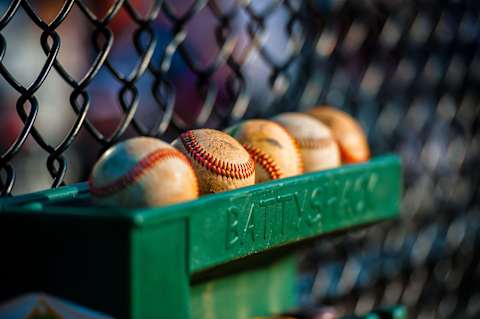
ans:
x=200 y=75
x=408 y=70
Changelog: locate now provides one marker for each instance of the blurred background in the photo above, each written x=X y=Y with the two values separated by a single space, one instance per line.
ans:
x=77 y=76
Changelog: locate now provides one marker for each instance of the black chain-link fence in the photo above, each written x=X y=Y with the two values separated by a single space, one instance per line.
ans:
x=408 y=70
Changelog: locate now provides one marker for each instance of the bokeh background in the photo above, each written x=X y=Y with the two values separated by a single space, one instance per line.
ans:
x=78 y=76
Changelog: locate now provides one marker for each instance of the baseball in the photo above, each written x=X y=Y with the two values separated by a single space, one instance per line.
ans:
x=349 y=134
x=273 y=149
x=142 y=172
x=318 y=147
x=220 y=162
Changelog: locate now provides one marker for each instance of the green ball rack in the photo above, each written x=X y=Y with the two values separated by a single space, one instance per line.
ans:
x=227 y=255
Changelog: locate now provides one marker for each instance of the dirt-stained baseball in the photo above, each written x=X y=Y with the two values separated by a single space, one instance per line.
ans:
x=220 y=162
x=318 y=147
x=273 y=149
x=142 y=172
x=349 y=134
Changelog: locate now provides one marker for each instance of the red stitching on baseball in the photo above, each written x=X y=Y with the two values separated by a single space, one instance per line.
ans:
x=314 y=143
x=265 y=161
x=137 y=171
x=213 y=164
x=297 y=148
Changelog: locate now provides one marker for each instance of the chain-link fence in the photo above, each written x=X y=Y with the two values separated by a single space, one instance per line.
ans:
x=408 y=70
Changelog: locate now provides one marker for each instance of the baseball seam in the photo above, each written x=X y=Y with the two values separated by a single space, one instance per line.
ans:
x=135 y=173
x=311 y=143
x=215 y=165
x=265 y=161
x=297 y=148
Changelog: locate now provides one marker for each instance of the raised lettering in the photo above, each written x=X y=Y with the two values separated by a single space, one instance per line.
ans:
x=300 y=202
x=316 y=203
x=232 y=226
x=284 y=199
x=266 y=203
x=250 y=225
x=284 y=215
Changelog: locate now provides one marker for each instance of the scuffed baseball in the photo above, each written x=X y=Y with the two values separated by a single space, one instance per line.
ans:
x=142 y=172
x=318 y=147
x=349 y=134
x=219 y=161
x=273 y=149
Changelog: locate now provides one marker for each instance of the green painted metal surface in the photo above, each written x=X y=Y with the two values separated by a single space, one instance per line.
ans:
x=174 y=261
x=261 y=291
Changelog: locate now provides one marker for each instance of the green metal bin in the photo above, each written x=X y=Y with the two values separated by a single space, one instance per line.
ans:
x=227 y=255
